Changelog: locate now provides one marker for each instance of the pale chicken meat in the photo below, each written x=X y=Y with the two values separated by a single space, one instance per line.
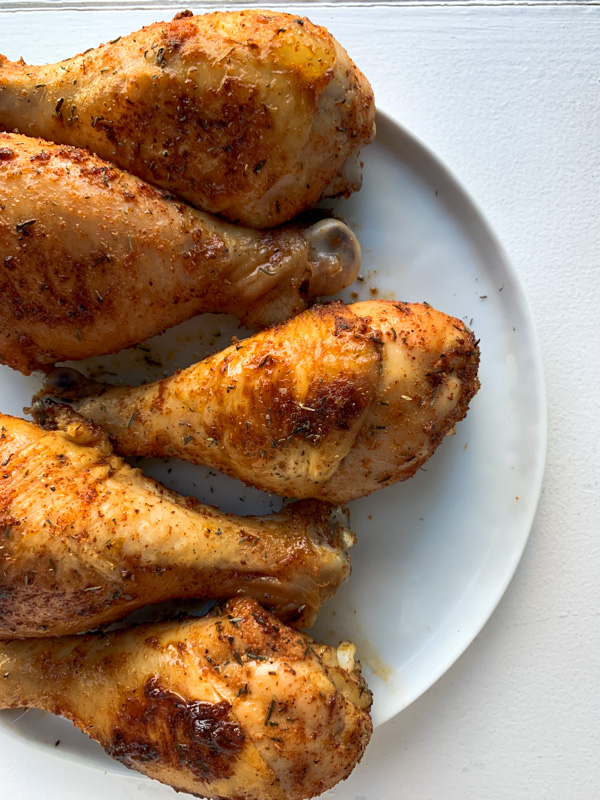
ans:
x=252 y=115
x=85 y=539
x=333 y=404
x=93 y=260
x=233 y=705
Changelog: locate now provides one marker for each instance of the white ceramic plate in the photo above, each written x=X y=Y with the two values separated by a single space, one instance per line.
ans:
x=435 y=554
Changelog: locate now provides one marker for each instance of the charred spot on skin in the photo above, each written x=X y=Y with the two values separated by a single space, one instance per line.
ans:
x=73 y=154
x=88 y=495
x=332 y=406
x=42 y=156
x=100 y=175
x=203 y=738
x=183 y=15
x=131 y=751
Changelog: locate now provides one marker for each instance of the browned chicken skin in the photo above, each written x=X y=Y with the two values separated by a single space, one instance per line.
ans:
x=232 y=705
x=93 y=260
x=85 y=539
x=333 y=404
x=252 y=115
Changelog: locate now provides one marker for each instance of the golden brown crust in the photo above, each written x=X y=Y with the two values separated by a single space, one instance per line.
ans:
x=279 y=409
x=429 y=375
x=246 y=114
x=232 y=705
x=333 y=404
x=86 y=539
x=93 y=260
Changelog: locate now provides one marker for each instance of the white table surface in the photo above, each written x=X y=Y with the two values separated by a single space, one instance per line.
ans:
x=508 y=96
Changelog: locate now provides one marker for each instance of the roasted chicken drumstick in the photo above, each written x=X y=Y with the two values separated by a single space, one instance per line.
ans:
x=93 y=260
x=233 y=705
x=85 y=539
x=251 y=115
x=333 y=404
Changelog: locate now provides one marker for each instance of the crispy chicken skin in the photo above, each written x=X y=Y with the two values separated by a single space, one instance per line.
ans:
x=85 y=539
x=93 y=260
x=333 y=404
x=252 y=115
x=233 y=705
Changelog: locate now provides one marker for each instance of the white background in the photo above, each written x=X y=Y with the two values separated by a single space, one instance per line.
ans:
x=508 y=96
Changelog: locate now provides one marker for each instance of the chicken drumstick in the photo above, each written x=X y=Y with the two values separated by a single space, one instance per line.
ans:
x=333 y=404
x=85 y=539
x=251 y=115
x=95 y=260
x=231 y=705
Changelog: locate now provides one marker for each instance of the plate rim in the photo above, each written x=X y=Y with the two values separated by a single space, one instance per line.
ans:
x=537 y=388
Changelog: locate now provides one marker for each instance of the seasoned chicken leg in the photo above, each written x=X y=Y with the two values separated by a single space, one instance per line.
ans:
x=333 y=404
x=85 y=539
x=234 y=705
x=251 y=115
x=93 y=260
